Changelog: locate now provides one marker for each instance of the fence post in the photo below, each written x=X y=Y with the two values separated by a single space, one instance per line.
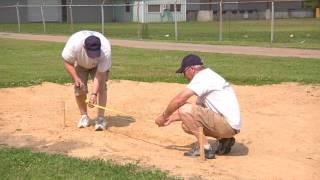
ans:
x=102 y=17
x=42 y=16
x=138 y=19
x=175 y=21
x=71 y=16
x=220 y=20
x=143 y=11
x=272 y=22
x=18 y=16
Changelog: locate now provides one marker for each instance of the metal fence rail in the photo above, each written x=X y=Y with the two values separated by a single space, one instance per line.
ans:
x=146 y=13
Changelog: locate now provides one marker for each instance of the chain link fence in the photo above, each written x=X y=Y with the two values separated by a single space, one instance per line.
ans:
x=200 y=21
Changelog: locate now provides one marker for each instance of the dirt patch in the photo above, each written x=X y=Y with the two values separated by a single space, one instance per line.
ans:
x=279 y=140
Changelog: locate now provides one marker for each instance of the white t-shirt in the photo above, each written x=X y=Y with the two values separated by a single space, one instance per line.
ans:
x=75 y=53
x=216 y=94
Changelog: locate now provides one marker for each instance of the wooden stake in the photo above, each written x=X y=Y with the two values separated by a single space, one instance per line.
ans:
x=64 y=113
x=201 y=144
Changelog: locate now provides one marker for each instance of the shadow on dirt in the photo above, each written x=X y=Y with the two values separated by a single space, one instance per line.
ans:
x=180 y=148
x=119 y=121
x=238 y=149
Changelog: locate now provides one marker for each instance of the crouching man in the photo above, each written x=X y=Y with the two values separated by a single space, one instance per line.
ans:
x=216 y=109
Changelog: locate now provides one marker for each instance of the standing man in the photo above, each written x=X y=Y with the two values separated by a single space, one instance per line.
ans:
x=216 y=108
x=88 y=53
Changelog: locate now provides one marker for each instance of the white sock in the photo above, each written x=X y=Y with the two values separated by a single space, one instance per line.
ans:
x=84 y=115
x=207 y=146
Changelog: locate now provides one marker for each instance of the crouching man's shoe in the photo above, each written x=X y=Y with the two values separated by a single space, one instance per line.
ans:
x=225 y=145
x=209 y=153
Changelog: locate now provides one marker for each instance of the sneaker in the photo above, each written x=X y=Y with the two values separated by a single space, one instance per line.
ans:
x=225 y=145
x=193 y=152
x=84 y=121
x=100 y=124
x=209 y=153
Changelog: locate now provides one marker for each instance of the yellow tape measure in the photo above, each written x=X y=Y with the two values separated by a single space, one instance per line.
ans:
x=107 y=109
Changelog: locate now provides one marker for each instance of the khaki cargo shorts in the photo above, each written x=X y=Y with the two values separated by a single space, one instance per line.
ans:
x=84 y=74
x=214 y=124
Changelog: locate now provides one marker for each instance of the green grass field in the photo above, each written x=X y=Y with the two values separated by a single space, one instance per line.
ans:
x=305 y=32
x=24 y=63
x=25 y=164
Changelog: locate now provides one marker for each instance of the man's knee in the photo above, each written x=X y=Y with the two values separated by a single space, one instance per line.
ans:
x=186 y=115
x=80 y=91
x=185 y=128
x=186 y=109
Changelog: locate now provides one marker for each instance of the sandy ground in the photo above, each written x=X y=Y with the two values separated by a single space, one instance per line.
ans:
x=279 y=140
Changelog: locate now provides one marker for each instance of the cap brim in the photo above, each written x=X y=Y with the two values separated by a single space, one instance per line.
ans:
x=93 y=53
x=180 y=70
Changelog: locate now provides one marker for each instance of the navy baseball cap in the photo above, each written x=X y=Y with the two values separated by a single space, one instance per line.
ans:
x=189 y=60
x=92 y=45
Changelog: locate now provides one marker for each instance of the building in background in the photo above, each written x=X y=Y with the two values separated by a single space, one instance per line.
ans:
x=208 y=10
x=159 y=10
x=87 y=11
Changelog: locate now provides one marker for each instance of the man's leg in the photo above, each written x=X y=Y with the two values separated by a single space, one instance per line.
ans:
x=81 y=95
x=217 y=127
x=188 y=122
x=192 y=127
x=81 y=103
x=102 y=101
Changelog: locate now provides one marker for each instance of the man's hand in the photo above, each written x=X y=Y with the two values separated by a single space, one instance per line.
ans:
x=92 y=100
x=78 y=83
x=170 y=114
x=169 y=121
x=161 y=120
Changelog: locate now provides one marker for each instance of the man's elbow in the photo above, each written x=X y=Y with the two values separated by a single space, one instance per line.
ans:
x=67 y=64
